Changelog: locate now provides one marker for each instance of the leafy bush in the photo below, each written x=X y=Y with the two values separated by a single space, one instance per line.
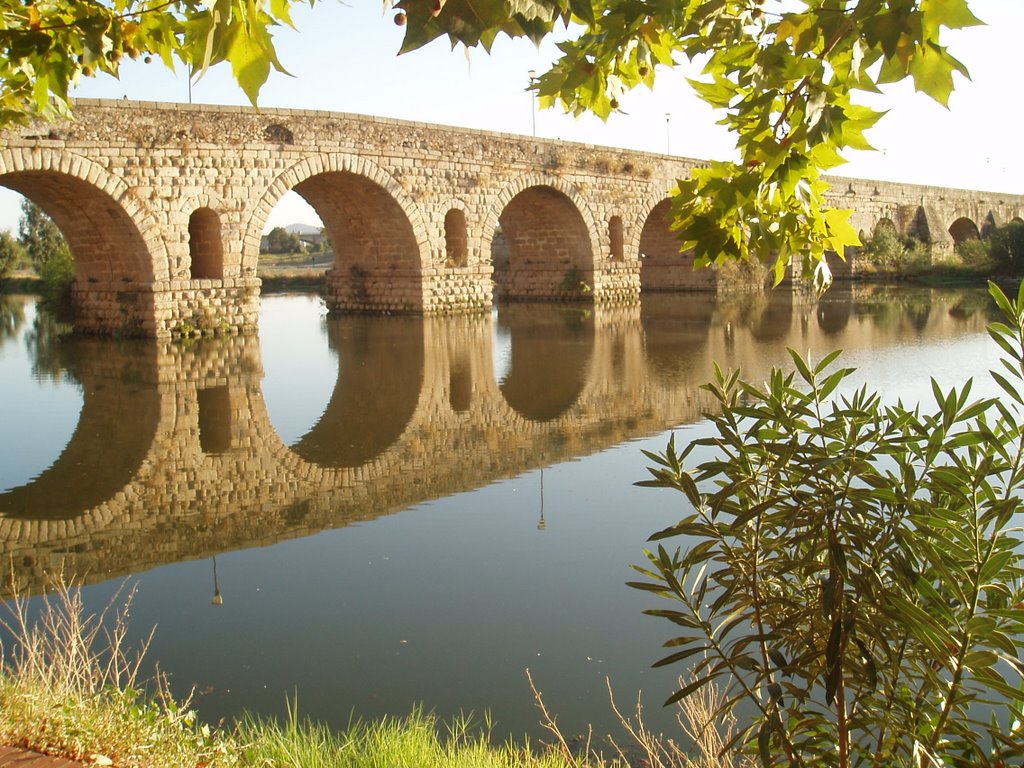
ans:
x=974 y=253
x=1006 y=244
x=57 y=274
x=886 y=251
x=849 y=570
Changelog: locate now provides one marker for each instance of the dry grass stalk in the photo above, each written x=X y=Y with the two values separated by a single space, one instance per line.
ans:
x=70 y=686
x=697 y=716
x=550 y=724
x=68 y=651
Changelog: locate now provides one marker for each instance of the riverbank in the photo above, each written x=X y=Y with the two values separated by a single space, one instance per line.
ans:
x=70 y=689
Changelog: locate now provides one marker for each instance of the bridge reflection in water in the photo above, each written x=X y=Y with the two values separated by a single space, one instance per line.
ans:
x=175 y=457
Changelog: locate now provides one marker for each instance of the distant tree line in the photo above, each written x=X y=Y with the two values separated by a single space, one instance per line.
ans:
x=279 y=240
x=1000 y=249
x=38 y=244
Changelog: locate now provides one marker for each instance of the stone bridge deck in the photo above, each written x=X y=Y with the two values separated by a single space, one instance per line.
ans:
x=164 y=205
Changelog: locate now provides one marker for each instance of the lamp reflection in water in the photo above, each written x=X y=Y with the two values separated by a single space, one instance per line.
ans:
x=217 y=598
x=542 y=524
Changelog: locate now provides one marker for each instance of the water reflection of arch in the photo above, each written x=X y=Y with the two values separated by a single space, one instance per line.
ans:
x=121 y=412
x=675 y=330
x=772 y=316
x=834 y=309
x=380 y=380
x=551 y=349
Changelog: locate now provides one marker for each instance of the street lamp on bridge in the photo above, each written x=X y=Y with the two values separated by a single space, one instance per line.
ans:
x=533 y=100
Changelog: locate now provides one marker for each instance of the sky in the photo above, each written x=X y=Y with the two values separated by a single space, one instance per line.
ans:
x=343 y=57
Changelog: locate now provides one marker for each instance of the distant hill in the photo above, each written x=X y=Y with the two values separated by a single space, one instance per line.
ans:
x=302 y=229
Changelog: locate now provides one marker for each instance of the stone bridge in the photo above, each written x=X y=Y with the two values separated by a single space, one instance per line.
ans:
x=164 y=205
x=191 y=465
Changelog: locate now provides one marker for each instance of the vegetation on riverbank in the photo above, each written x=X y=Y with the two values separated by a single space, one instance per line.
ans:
x=850 y=570
x=887 y=255
x=70 y=687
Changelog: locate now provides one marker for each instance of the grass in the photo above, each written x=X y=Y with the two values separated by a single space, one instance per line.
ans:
x=70 y=687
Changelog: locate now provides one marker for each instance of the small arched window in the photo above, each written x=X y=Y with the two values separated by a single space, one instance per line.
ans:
x=205 y=246
x=456 y=240
x=615 y=238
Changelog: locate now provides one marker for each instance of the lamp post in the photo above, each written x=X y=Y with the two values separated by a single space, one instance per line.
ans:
x=533 y=100
x=668 y=133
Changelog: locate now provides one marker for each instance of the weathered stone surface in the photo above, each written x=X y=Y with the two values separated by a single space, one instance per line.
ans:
x=164 y=205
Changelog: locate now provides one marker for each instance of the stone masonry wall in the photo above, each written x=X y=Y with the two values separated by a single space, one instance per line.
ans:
x=125 y=179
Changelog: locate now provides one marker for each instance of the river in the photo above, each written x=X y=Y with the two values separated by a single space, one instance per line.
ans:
x=367 y=514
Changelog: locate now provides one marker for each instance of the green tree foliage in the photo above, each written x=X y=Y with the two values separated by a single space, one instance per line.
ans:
x=784 y=75
x=849 y=569
x=50 y=256
x=46 y=46
x=40 y=237
x=887 y=252
x=1006 y=244
x=280 y=240
x=12 y=254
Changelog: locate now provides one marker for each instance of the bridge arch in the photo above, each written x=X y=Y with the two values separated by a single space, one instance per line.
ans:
x=538 y=215
x=964 y=229
x=380 y=241
x=112 y=237
x=662 y=266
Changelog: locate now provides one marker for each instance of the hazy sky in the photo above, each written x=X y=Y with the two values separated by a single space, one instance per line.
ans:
x=343 y=58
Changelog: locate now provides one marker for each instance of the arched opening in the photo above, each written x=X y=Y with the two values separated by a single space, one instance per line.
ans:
x=964 y=229
x=205 y=245
x=103 y=239
x=456 y=238
x=376 y=256
x=549 y=255
x=460 y=385
x=214 y=419
x=615 y=238
x=548 y=356
x=662 y=266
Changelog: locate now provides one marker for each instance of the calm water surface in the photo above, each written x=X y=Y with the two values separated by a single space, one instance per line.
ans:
x=398 y=510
